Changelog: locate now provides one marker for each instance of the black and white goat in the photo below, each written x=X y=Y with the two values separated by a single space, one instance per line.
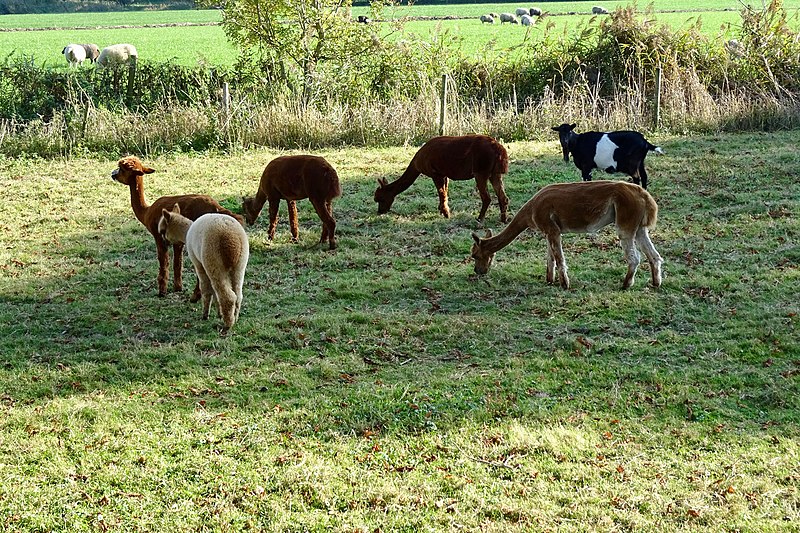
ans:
x=615 y=151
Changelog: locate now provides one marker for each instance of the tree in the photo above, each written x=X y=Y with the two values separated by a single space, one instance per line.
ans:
x=300 y=39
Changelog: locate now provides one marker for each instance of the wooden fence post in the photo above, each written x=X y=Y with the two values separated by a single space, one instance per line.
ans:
x=443 y=105
x=657 y=117
x=131 y=80
x=226 y=112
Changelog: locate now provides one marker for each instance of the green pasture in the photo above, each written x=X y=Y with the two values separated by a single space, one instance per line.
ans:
x=383 y=386
x=189 y=45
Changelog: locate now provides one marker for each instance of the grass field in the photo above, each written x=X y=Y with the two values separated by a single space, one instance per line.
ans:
x=384 y=386
x=188 y=45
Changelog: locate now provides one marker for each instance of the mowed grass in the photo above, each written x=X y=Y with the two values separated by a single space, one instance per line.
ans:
x=190 y=45
x=383 y=385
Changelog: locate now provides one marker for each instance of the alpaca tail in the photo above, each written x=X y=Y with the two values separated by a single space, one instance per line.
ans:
x=332 y=177
x=501 y=161
x=650 y=210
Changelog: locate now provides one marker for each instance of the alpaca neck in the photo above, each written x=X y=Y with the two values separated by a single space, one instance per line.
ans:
x=138 y=202
x=403 y=182
x=517 y=225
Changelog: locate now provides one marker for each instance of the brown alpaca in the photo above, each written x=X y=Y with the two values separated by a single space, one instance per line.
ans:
x=130 y=172
x=583 y=207
x=292 y=178
x=458 y=158
x=219 y=250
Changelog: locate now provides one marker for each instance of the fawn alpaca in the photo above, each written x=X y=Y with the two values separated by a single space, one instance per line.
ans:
x=581 y=208
x=457 y=158
x=295 y=177
x=218 y=248
x=130 y=171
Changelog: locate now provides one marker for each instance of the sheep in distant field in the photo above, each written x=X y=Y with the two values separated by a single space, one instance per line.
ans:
x=597 y=10
x=487 y=18
x=521 y=11
x=363 y=19
x=526 y=20
x=117 y=54
x=218 y=247
x=508 y=17
x=74 y=54
x=535 y=12
x=495 y=16
x=92 y=51
x=615 y=151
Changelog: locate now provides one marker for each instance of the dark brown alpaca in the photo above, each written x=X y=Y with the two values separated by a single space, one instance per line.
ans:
x=130 y=172
x=457 y=158
x=292 y=178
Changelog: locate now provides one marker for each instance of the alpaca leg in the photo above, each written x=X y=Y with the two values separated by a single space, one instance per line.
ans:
x=328 y=222
x=226 y=300
x=293 y=226
x=441 y=189
x=163 y=266
x=632 y=257
x=177 y=267
x=274 y=203
x=551 y=264
x=554 y=242
x=486 y=200
x=502 y=199
x=653 y=257
x=206 y=288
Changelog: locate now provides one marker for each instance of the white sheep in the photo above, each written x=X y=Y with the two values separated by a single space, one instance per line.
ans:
x=75 y=54
x=92 y=51
x=521 y=11
x=487 y=18
x=508 y=17
x=117 y=54
x=597 y=10
x=526 y=20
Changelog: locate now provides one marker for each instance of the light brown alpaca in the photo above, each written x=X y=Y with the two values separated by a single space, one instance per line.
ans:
x=295 y=177
x=218 y=248
x=581 y=208
x=457 y=158
x=130 y=172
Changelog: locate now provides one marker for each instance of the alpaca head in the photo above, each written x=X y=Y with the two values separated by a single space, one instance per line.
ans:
x=166 y=227
x=382 y=197
x=482 y=259
x=250 y=210
x=129 y=169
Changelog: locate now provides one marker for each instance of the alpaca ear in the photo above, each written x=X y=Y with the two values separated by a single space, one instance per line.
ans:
x=382 y=182
x=147 y=170
x=166 y=214
x=572 y=126
x=476 y=238
x=488 y=233
x=176 y=209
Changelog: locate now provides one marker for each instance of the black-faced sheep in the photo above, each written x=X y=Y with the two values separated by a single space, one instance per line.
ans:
x=487 y=18
x=92 y=51
x=535 y=12
x=616 y=151
x=508 y=17
x=75 y=54
x=117 y=54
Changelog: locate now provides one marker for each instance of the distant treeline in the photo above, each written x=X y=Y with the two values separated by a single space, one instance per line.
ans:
x=20 y=7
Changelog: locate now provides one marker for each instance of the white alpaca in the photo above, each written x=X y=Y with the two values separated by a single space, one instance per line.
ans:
x=117 y=54
x=219 y=250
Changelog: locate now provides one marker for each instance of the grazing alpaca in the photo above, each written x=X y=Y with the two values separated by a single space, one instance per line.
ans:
x=581 y=207
x=219 y=250
x=130 y=171
x=458 y=158
x=292 y=178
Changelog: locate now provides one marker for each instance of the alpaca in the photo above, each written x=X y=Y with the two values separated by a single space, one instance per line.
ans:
x=292 y=178
x=457 y=158
x=130 y=172
x=582 y=207
x=218 y=248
